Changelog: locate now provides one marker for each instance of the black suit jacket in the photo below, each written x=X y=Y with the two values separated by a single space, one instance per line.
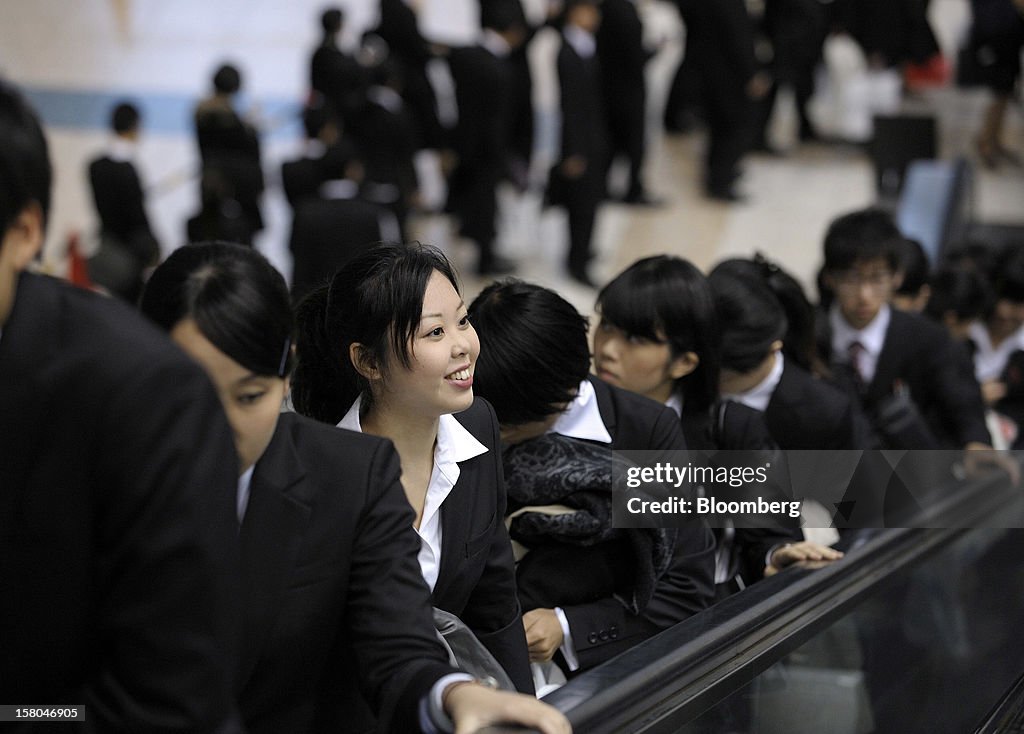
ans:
x=327 y=233
x=121 y=206
x=583 y=114
x=118 y=535
x=476 y=580
x=603 y=628
x=807 y=413
x=919 y=355
x=334 y=597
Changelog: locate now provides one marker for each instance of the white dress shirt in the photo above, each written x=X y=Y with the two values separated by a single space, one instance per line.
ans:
x=871 y=337
x=454 y=444
x=989 y=361
x=244 y=483
x=760 y=394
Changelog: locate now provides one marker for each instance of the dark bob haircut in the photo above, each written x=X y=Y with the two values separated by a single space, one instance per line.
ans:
x=376 y=300
x=25 y=172
x=534 y=350
x=666 y=298
x=237 y=299
x=959 y=291
x=750 y=316
x=798 y=344
x=868 y=234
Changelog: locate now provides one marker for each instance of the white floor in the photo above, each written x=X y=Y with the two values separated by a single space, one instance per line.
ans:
x=148 y=48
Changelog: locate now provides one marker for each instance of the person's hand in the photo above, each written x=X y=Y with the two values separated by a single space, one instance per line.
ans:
x=574 y=166
x=543 y=634
x=472 y=707
x=979 y=457
x=993 y=391
x=787 y=555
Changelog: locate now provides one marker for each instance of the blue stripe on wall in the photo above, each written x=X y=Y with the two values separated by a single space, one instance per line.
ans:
x=161 y=112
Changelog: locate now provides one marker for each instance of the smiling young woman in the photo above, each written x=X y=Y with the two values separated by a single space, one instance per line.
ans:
x=386 y=348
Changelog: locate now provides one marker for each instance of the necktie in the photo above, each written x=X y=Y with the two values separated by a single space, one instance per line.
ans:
x=856 y=352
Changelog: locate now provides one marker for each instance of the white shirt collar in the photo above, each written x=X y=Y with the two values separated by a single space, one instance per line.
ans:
x=454 y=444
x=760 y=394
x=871 y=337
x=582 y=418
x=494 y=43
x=244 y=484
x=121 y=149
x=989 y=361
x=583 y=43
x=675 y=401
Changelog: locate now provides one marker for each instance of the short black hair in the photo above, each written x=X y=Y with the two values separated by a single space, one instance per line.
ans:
x=534 y=350
x=331 y=20
x=25 y=172
x=914 y=265
x=502 y=15
x=227 y=79
x=1008 y=273
x=964 y=292
x=375 y=299
x=238 y=300
x=124 y=118
x=867 y=234
x=669 y=295
x=750 y=317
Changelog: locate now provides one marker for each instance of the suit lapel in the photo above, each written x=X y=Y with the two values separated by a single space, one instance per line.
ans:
x=887 y=367
x=280 y=502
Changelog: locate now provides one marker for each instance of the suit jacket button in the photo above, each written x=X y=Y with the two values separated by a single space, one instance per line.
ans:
x=604 y=635
x=614 y=632
x=592 y=638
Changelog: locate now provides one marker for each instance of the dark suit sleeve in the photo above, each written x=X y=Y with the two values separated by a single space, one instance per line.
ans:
x=390 y=624
x=602 y=629
x=735 y=33
x=957 y=391
x=167 y=559
x=493 y=611
x=573 y=85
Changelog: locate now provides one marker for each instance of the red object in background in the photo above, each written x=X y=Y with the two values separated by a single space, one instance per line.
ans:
x=78 y=270
x=935 y=72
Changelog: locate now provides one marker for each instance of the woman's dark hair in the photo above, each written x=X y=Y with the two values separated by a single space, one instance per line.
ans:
x=799 y=343
x=750 y=317
x=331 y=20
x=375 y=299
x=862 y=235
x=668 y=298
x=960 y=291
x=25 y=171
x=1008 y=273
x=534 y=350
x=914 y=265
x=227 y=79
x=237 y=299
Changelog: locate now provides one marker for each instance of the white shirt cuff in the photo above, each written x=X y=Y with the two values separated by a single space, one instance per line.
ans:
x=567 y=648
x=435 y=710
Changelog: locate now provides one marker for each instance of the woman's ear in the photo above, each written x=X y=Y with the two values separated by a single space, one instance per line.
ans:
x=364 y=362
x=683 y=365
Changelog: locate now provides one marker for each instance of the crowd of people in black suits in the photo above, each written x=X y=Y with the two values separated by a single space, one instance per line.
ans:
x=182 y=554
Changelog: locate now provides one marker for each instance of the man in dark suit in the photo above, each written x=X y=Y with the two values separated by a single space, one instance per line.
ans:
x=335 y=225
x=891 y=358
x=127 y=244
x=623 y=57
x=577 y=181
x=301 y=177
x=720 y=39
x=118 y=535
x=484 y=83
x=332 y=72
x=534 y=363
